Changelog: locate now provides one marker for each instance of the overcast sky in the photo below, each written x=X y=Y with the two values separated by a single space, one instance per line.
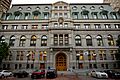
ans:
x=52 y=1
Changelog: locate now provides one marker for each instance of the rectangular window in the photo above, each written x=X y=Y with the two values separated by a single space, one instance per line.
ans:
x=104 y=55
x=117 y=26
x=45 y=26
x=75 y=15
x=55 y=39
x=87 y=26
x=65 y=15
x=65 y=7
x=60 y=14
x=101 y=57
x=60 y=7
x=46 y=16
x=4 y=27
x=34 y=26
x=77 y=26
x=97 y=26
x=65 y=24
x=27 y=15
x=95 y=16
x=24 y=27
x=14 y=27
x=107 y=26
x=56 y=15
x=56 y=25
x=56 y=7
x=66 y=39
x=61 y=25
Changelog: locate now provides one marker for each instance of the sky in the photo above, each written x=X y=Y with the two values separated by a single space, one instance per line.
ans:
x=52 y=1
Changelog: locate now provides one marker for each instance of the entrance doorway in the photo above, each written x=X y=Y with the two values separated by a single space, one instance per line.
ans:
x=61 y=62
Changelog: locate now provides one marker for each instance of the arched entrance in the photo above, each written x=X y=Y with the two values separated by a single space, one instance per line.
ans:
x=61 y=62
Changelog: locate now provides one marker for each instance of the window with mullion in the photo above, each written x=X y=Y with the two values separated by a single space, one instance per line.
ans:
x=12 y=41
x=60 y=39
x=89 y=41
x=55 y=39
x=66 y=39
x=33 y=41
x=78 y=40
x=44 y=40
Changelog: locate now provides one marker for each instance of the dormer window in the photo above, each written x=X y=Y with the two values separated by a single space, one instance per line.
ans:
x=85 y=14
x=92 y=8
x=37 y=8
x=46 y=8
x=28 y=8
x=27 y=15
x=113 y=14
x=74 y=7
x=83 y=8
x=104 y=14
x=94 y=15
x=20 y=8
x=8 y=16
x=101 y=7
x=17 y=15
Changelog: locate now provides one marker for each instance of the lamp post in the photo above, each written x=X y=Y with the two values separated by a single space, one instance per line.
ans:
x=27 y=55
x=89 y=58
x=77 y=59
x=94 y=55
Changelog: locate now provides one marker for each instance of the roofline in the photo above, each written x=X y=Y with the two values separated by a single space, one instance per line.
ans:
x=89 y=3
x=68 y=3
x=28 y=4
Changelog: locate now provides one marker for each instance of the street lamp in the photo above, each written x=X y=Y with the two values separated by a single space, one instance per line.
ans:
x=27 y=55
x=94 y=55
x=77 y=59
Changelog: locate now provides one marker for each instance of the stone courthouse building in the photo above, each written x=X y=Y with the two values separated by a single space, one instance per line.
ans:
x=60 y=35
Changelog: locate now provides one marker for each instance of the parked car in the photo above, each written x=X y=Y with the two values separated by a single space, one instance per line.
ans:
x=38 y=74
x=113 y=74
x=99 y=74
x=51 y=73
x=5 y=73
x=20 y=74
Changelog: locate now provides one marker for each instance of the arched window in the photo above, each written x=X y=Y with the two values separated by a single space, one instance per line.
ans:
x=17 y=14
x=12 y=40
x=2 y=38
x=36 y=14
x=44 y=40
x=110 y=40
x=88 y=40
x=104 y=14
x=99 y=40
x=85 y=14
x=77 y=40
x=22 y=41
x=33 y=40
